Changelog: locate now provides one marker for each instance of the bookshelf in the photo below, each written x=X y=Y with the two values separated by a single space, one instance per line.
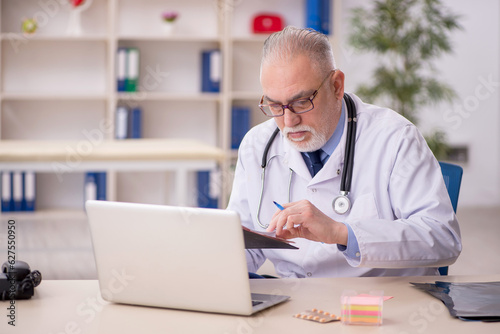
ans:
x=55 y=87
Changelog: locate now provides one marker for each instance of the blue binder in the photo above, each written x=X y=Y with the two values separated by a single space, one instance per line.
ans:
x=17 y=190
x=101 y=185
x=135 y=123
x=240 y=124
x=211 y=71
x=318 y=15
x=204 y=198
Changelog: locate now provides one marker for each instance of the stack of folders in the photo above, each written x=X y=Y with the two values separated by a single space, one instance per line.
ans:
x=318 y=15
x=127 y=69
x=128 y=122
x=240 y=124
x=95 y=186
x=18 y=191
x=209 y=189
x=211 y=71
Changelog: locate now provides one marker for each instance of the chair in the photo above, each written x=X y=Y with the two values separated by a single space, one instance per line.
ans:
x=452 y=175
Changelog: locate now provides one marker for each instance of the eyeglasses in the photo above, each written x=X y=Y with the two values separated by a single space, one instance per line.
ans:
x=298 y=106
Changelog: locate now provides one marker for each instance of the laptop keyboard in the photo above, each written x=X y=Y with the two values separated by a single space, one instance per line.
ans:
x=256 y=302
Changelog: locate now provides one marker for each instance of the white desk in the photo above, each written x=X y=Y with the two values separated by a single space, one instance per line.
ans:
x=74 y=307
x=176 y=155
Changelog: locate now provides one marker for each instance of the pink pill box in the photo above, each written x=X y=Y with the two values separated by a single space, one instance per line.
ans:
x=363 y=309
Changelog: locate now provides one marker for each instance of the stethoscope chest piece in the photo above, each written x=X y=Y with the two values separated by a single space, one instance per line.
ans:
x=341 y=204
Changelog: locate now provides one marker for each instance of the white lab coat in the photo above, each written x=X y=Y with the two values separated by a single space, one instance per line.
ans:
x=401 y=213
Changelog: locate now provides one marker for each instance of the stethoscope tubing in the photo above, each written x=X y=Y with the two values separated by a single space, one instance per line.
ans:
x=346 y=179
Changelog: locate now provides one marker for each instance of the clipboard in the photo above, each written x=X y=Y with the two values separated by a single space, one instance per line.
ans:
x=254 y=239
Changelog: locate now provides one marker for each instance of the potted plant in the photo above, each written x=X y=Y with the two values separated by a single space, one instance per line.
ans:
x=406 y=36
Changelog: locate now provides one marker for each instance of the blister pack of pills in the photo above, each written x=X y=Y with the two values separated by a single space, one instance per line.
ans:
x=317 y=316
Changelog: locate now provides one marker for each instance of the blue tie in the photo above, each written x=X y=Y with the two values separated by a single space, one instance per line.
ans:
x=316 y=163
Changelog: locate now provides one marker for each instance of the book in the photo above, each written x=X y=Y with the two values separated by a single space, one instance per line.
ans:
x=254 y=239
x=240 y=124
x=211 y=71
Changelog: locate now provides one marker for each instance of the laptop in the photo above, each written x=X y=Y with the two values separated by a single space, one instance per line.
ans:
x=173 y=257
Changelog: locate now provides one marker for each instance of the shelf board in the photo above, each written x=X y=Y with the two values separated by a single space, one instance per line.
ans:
x=45 y=214
x=121 y=151
x=164 y=96
x=172 y=38
x=6 y=96
x=55 y=38
x=257 y=38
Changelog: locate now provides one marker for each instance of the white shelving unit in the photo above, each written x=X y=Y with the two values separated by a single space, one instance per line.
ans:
x=59 y=87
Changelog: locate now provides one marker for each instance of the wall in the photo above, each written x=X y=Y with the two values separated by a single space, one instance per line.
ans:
x=473 y=71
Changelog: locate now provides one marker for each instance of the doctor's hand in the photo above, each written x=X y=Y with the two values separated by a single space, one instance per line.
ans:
x=303 y=220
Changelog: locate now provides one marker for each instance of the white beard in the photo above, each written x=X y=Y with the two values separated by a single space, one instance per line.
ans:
x=316 y=141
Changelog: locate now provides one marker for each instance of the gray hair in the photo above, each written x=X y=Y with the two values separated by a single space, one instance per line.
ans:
x=290 y=42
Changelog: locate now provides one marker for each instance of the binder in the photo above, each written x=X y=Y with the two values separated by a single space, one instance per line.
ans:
x=17 y=190
x=325 y=15
x=90 y=186
x=211 y=71
x=29 y=191
x=205 y=199
x=101 y=186
x=121 y=122
x=132 y=72
x=135 y=123
x=121 y=69
x=6 y=191
x=240 y=124
x=318 y=15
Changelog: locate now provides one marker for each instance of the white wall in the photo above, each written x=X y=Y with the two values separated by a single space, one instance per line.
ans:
x=473 y=71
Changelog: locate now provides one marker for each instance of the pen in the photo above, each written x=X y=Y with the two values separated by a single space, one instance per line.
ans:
x=279 y=206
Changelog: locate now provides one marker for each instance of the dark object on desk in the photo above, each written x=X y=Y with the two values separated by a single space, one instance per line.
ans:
x=17 y=281
x=267 y=23
x=255 y=239
x=474 y=301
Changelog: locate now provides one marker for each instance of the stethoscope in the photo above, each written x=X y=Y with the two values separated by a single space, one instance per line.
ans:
x=341 y=204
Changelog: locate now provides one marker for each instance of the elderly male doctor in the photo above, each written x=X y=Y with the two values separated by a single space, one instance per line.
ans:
x=400 y=222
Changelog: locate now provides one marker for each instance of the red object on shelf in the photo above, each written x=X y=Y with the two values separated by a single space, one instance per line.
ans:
x=267 y=23
x=76 y=3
